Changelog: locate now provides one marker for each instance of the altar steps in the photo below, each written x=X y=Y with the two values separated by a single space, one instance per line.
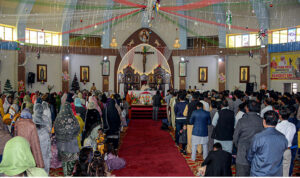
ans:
x=145 y=112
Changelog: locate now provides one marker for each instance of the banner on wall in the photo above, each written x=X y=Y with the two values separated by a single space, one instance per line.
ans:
x=285 y=66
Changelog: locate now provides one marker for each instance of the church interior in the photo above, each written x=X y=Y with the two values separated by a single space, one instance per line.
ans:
x=77 y=59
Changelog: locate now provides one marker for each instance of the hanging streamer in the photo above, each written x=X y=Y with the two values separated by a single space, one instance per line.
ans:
x=211 y=22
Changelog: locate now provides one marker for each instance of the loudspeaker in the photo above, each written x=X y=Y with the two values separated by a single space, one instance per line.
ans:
x=250 y=87
x=31 y=77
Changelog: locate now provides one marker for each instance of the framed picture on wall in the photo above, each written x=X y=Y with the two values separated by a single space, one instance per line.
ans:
x=105 y=68
x=84 y=74
x=41 y=73
x=182 y=69
x=244 y=74
x=203 y=74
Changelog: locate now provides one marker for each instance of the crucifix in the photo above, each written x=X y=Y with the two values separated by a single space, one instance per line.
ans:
x=144 y=53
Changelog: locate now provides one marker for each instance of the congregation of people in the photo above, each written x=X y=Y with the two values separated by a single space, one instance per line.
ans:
x=255 y=131
x=78 y=131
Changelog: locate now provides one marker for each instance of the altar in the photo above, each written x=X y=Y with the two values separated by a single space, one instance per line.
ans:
x=139 y=97
x=131 y=82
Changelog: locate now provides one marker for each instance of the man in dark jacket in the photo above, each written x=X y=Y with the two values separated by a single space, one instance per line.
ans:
x=266 y=151
x=218 y=162
x=180 y=119
x=223 y=122
x=200 y=119
x=156 y=104
x=246 y=128
x=192 y=106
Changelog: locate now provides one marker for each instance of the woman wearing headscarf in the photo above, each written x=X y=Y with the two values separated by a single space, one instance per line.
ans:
x=97 y=107
x=7 y=103
x=92 y=120
x=19 y=161
x=26 y=100
x=26 y=128
x=66 y=129
x=81 y=99
x=44 y=126
x=80 y=110
x=46 y=108
x=112 y=121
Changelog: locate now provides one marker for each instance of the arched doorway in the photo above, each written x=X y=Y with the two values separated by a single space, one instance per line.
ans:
x=138 y=38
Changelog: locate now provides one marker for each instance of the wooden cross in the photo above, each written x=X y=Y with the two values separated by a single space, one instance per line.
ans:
x=144 y=53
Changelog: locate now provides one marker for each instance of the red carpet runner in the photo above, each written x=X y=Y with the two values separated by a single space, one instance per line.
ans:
x=150 y=151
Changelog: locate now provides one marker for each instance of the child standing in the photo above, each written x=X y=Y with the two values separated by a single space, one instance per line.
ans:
x=100 y=141
x=183 y=139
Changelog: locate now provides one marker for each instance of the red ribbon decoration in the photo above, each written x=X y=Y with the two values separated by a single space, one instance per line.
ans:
x=100 y=23
x=211 y=22
x=191 y=6
x=128 y=3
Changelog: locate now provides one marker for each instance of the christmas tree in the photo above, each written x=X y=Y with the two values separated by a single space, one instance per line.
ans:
x=75 y=84
x=7 y=87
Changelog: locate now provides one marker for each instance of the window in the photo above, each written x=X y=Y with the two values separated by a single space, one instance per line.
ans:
x=41 y=38
x=238 y=41
x=252 y=40
x=275 y=37
x=283 y=36
x=294 y=87
x=33 y=37
x=292 y=35
x=55 y=39
x=48 y=38
x=258 y=41
x=27 y=36
x=231 y=42
x=245 y=41
x=8 y=34
x=298 y=34
x=1 y=33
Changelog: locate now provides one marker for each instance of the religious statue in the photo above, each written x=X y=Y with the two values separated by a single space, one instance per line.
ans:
x=244 y=75
x=42 y=74
x=144 y=53
x=85 y=75
x=202 y=75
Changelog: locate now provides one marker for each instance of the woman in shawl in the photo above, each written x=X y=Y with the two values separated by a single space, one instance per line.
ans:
x=27 y=129
x=80 y=110
x=112 y=122
x=97 y=107
x=66 y=129
x=44 y=126
x=7 y=103
x=26 y=100
x=92 y=120
x=18 y=160
x=81 y=99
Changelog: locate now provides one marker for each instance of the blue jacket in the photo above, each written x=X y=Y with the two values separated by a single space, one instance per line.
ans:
x=200 y=119
x=266 y=153
x=179 y=108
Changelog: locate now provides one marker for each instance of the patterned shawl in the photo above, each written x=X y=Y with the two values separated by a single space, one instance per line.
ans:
x=66 y=125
